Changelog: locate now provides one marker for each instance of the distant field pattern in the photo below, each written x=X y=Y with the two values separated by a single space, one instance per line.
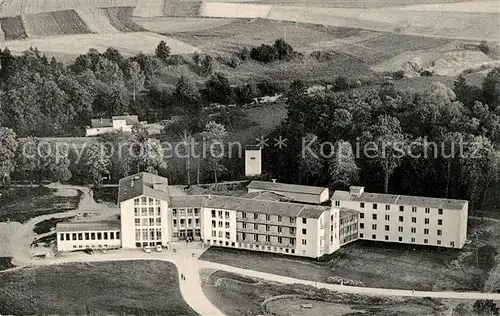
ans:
x=54 y=23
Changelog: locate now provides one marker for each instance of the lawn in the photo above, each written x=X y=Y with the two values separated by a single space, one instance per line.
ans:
x=236 y=295
x=23 y=203
x=101 y=288
x=385 y=265
x=105 y=195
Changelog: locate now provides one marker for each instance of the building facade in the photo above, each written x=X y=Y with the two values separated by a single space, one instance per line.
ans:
x=116 y=123
x=407 y=219
x=253 y=161
x=264 y=220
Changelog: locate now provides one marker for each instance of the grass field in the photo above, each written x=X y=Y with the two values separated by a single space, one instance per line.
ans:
x=106 y=194
x=46 y=225
x=22 y=203
x=237 y=295
x=54 y=23
x=5 y=263
x=102 y=288
x=384 y=265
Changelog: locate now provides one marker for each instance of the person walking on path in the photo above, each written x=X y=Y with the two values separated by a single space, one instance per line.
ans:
x=182 y=276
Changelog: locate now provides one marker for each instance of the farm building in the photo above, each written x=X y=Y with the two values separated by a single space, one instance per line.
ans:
x=116 y=123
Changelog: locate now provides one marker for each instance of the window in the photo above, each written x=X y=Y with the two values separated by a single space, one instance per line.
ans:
x=387 y=217
x=292 y=220
x=362 y=225
x=92 y=236
x=136 y=211
x=87 y=236
x=426 y=241
x=252 y=158
x=99 y=236
x=61 y=236
x=413 y=219
x=244 y=214
x=362 y=205
x=112 y=235
x=279 y=218
x=255 y=216
x=227 y=225
x=361 y=235
x=413 y=230
x=304 y=221
x=213 y=213
x=137 y=222
x=361 y=215
x=190 y=212
x=400 y=229
x=68 y=237
x=440 y=222
x=401 y=218
x=244 y=225
x=268 y=217
x=440 y=232
x=151 y=221
x=279 y=229
x=337 y=203
x=304 y=231
x=220 y=214
x=426 y=231
x=387 y=207
x=401 y=208
x=374 y=216
x=227 y=214
x=427 y=210
x=220 y=234
x=255 y=226
x=151 y=211
x=280 y=240
x=228 y=235
x=304 y=242
x=412 y=239
x=158 y=221
x=174 y=212
x=105 y=236
x=268 y=228
x=374 y=237
x=73 y=236
x=268 y=238
x=439 y=242
x=214 y=233
x=413 y=209
x=374 y=206
x=243 y=236
x=374 y=226
x=386 y=237
x=386 y=228
x=136 y=201
x=440 y=211
x=400 y=238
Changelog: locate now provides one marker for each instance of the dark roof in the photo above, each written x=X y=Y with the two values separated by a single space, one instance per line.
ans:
x=129 y=119
x=267 y=196
x=418 y=201
x=88 y=226
x=344 y=212
x=248 y=205
x=285 y=187
x=141 y=184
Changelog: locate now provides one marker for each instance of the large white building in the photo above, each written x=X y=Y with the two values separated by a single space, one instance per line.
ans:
x=273 y=217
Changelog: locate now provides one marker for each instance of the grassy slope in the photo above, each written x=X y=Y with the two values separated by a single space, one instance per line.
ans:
x=54 y=23
x=118 y=288
x=238 y=295
x=22 y=203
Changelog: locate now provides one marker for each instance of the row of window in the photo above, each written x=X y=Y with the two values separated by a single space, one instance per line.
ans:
x=268 y=217
x=146 y=201
x=427 y=210
x=221 y=214
x=221 y=234
x=183 y=234
x=269 y=228
x=183 y=212
x=401 y=218
x=90 y=246
x=222 y=224
x=412 y=239
x=182 y=222
x=267 y=238
x=89 y=236
x=400 y=229
x=147 y=211
x=147 y=234
x=151 y=221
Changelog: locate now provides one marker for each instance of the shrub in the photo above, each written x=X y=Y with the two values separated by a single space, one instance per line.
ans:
x=245 y=54
x=281 y=50
x=483 y=46
x=398 y=75
x=235 y=62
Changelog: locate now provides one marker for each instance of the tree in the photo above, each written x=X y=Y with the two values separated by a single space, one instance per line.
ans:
x=491 y=88
x=207 y=65
x=387 y=144
x=162 y=51
x=285 y=50
x=114 y=55
x=215 y=137
x=342 y=166
x=218 y=90
x=97 y=163
x=311 y=163
x=8 y=147
x=135 y=79
x=485 y=308
x=151 y=158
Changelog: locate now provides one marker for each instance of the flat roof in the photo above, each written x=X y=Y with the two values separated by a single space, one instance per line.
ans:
x=408 y=200
x=248 y=205
x=141 y=184
x=266 y=195
x=285 y=187
x=88 y=226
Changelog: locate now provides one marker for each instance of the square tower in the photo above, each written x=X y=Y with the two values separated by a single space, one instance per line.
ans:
x=253 y=161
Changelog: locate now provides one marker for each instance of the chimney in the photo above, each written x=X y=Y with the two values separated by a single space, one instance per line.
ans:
x=273 y=180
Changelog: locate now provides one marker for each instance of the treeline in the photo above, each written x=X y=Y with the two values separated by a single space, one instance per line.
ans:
x=463 y=123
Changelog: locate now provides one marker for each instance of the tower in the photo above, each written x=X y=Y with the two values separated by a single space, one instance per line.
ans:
x=253 y=161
